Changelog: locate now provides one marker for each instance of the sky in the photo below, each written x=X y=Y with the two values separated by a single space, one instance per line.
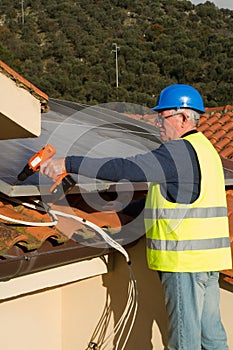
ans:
x=228 y=4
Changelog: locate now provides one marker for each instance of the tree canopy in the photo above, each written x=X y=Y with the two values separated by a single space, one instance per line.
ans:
x=66 y=48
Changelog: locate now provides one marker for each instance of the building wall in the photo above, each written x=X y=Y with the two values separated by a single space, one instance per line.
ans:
x=150 y=325
x=65 y=318
x=31 y=322
x=20 y=111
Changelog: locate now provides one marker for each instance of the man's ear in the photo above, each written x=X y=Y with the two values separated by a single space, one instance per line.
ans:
x=184 y=117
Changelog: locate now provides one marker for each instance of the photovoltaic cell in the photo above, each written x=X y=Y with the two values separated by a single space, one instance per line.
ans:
x=74 y=129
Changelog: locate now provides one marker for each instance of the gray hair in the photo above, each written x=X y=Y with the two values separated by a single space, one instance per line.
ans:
x=193 y=115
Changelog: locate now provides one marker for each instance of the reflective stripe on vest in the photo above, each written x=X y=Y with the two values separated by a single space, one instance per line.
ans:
x=171 y=245
x=180 y=213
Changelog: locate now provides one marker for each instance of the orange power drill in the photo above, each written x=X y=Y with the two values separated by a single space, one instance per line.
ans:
x=64 y=182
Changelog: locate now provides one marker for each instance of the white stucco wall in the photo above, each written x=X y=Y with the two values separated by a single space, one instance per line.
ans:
x=20 y=111
x=65 y=317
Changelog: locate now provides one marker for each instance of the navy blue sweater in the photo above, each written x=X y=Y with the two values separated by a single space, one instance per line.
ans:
x=174 y=165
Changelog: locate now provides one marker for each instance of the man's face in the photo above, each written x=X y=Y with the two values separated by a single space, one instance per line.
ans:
x=169 y=124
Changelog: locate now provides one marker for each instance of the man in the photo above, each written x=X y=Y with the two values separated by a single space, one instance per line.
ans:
x=185 y=216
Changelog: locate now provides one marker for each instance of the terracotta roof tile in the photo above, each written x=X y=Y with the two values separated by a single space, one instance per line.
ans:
x=28 y=236
x=203 y=120
x=225 y=119
x=102 y=219
x=227 y=126
x=221 y=144
x=134 y=116
x=52 y=246
x=217 y=126
x=227 y=152
x=229 y=195
x=204 y=126
x=208 y=133
x=32 y=237
x=147 y=118
x=219 y=134
x=212 y=120
x=9 y=237
x=230 y=278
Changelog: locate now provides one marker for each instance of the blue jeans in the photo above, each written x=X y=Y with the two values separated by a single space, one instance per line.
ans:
x=192 y=304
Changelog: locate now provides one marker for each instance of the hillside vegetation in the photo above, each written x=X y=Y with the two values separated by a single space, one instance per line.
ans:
x=66 y=48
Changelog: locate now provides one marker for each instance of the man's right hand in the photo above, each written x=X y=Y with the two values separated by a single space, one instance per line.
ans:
x=53 y=168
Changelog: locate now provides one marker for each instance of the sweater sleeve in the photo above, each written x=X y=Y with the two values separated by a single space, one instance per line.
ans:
x=155 y=166
x=174 y=165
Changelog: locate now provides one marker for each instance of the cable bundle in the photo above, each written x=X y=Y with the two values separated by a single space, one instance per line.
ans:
x=98 y=340
x=132 y=300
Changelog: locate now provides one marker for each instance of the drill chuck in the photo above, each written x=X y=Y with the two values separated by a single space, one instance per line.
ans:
x=33 y=165
x=25 y=173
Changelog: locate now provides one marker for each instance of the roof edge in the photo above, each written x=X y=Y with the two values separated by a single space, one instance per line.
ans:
x=22 y=82
x=218 y=109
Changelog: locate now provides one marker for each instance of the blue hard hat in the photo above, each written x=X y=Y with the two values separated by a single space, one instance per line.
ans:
x=180 y=96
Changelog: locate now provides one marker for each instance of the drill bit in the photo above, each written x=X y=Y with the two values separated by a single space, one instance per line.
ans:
x=15 y=183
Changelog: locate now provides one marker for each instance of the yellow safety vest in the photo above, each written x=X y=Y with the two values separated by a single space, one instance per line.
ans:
x=191 y=237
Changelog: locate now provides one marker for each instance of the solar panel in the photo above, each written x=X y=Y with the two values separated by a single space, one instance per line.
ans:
x=74 y=129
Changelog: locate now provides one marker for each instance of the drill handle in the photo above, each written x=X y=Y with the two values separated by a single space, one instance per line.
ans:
x=64 y=184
